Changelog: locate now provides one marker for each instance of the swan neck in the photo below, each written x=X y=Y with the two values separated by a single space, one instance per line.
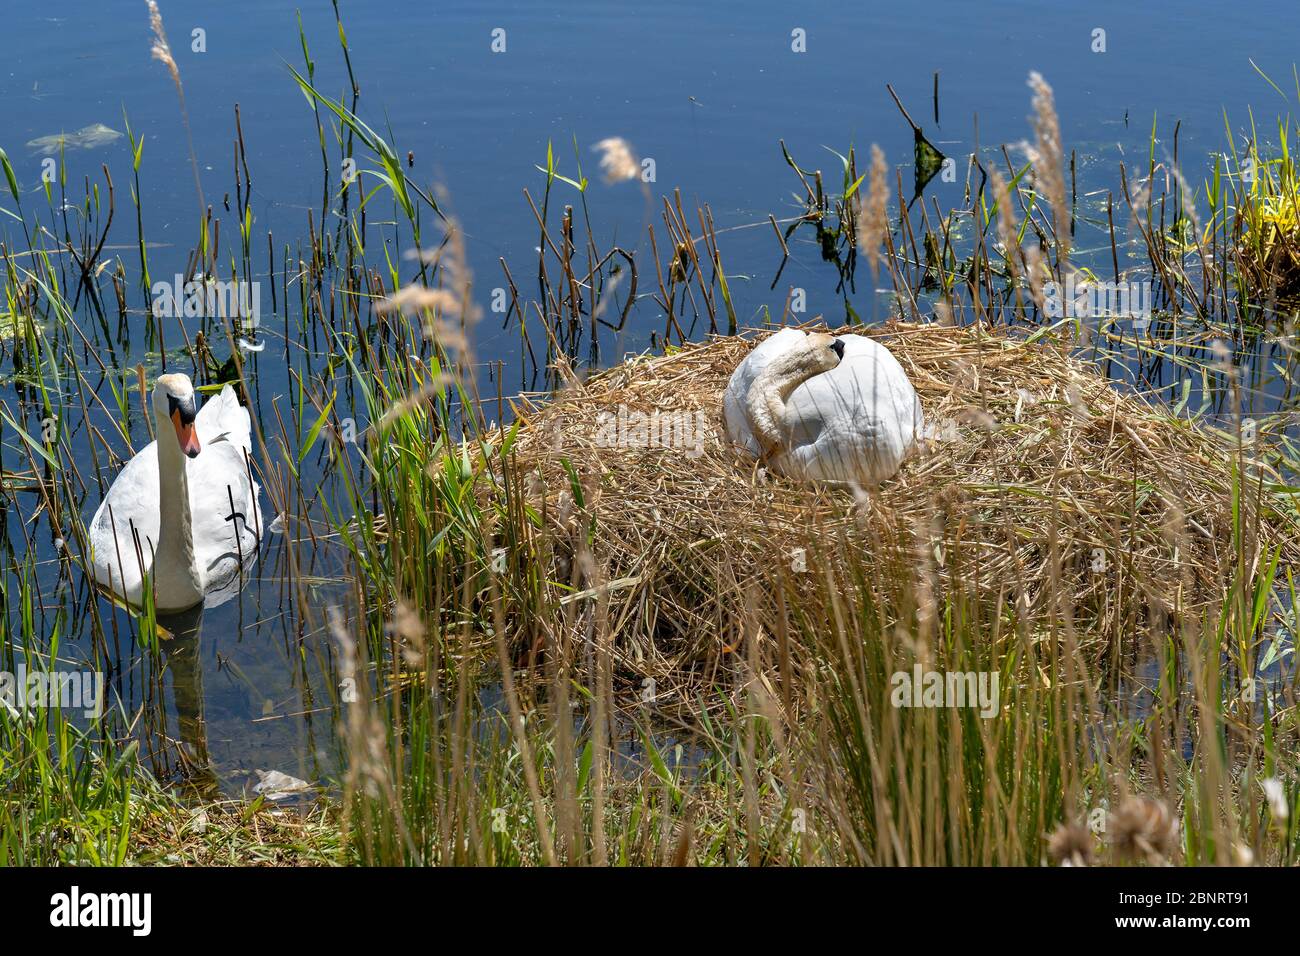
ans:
x=174 y=566
x=766 y=402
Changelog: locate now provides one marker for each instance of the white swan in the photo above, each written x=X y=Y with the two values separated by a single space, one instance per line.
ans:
x=184 y=508
x=823 y=408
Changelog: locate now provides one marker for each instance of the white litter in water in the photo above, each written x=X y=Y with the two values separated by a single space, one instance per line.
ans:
x=275 y=785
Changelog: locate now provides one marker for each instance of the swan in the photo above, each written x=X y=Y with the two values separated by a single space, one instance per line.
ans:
x=819 y=407
x=184 y=508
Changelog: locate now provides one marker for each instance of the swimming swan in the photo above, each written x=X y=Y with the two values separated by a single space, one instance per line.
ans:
x=823 y=408
x=184 y=508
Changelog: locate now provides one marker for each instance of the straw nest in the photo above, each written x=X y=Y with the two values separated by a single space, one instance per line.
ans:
x=1041 y=488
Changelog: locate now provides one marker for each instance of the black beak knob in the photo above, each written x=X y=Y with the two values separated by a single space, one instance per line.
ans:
x=838 y=346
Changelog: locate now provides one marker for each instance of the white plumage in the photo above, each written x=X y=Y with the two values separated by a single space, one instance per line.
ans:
x=198 y=516
x=852 y=423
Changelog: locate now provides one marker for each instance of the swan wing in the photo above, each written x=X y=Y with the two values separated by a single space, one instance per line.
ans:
x=224 y=415
x=855 y=422
x=733 y=399
x=225 y=511
x=124 y=531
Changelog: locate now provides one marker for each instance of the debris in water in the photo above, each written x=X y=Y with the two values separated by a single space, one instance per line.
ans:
x=88 y=137
x=275 y=785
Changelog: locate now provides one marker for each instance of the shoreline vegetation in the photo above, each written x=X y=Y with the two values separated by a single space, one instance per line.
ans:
x=541 y=646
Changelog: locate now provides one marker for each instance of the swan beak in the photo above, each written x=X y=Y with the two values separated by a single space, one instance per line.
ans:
x=186 y=435
x=838 y=348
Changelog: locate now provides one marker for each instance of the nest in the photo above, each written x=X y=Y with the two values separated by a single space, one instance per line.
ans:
x=1039 y=487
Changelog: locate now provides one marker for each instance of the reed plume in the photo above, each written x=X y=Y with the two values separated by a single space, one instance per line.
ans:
x=1070 y=844
x=1275 y=793
x=871 y=212
x=1048 y=158
x=1006 y=222
x=617 y=161
x=446 y=314
x=161 y=51
x=1034 y=268
x=620 y=164
x=1143 y=829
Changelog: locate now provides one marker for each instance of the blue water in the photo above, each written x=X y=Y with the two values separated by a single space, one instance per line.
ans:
x=705 y=91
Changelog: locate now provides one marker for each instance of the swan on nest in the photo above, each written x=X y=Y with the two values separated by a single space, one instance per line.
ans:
x=819 y=407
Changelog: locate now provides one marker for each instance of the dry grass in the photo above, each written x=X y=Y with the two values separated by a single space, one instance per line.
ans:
x=1043 y=491
x=231 y=833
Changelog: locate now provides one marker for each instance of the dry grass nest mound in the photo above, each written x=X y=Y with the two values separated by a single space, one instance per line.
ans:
x=1042 y=488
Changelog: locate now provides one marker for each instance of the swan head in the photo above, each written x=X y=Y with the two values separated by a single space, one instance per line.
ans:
x=819 y=352
x=175 y=403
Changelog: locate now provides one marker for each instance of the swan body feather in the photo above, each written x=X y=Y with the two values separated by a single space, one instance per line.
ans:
x=224 y=514
x=854 y=423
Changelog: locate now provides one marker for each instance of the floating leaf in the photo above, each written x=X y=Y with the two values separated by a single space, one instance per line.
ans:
x=928 y=160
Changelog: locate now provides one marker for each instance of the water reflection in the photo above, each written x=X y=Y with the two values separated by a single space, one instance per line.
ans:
x=183 y=661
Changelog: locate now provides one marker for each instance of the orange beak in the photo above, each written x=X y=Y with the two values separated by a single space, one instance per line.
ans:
x=186 y=436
